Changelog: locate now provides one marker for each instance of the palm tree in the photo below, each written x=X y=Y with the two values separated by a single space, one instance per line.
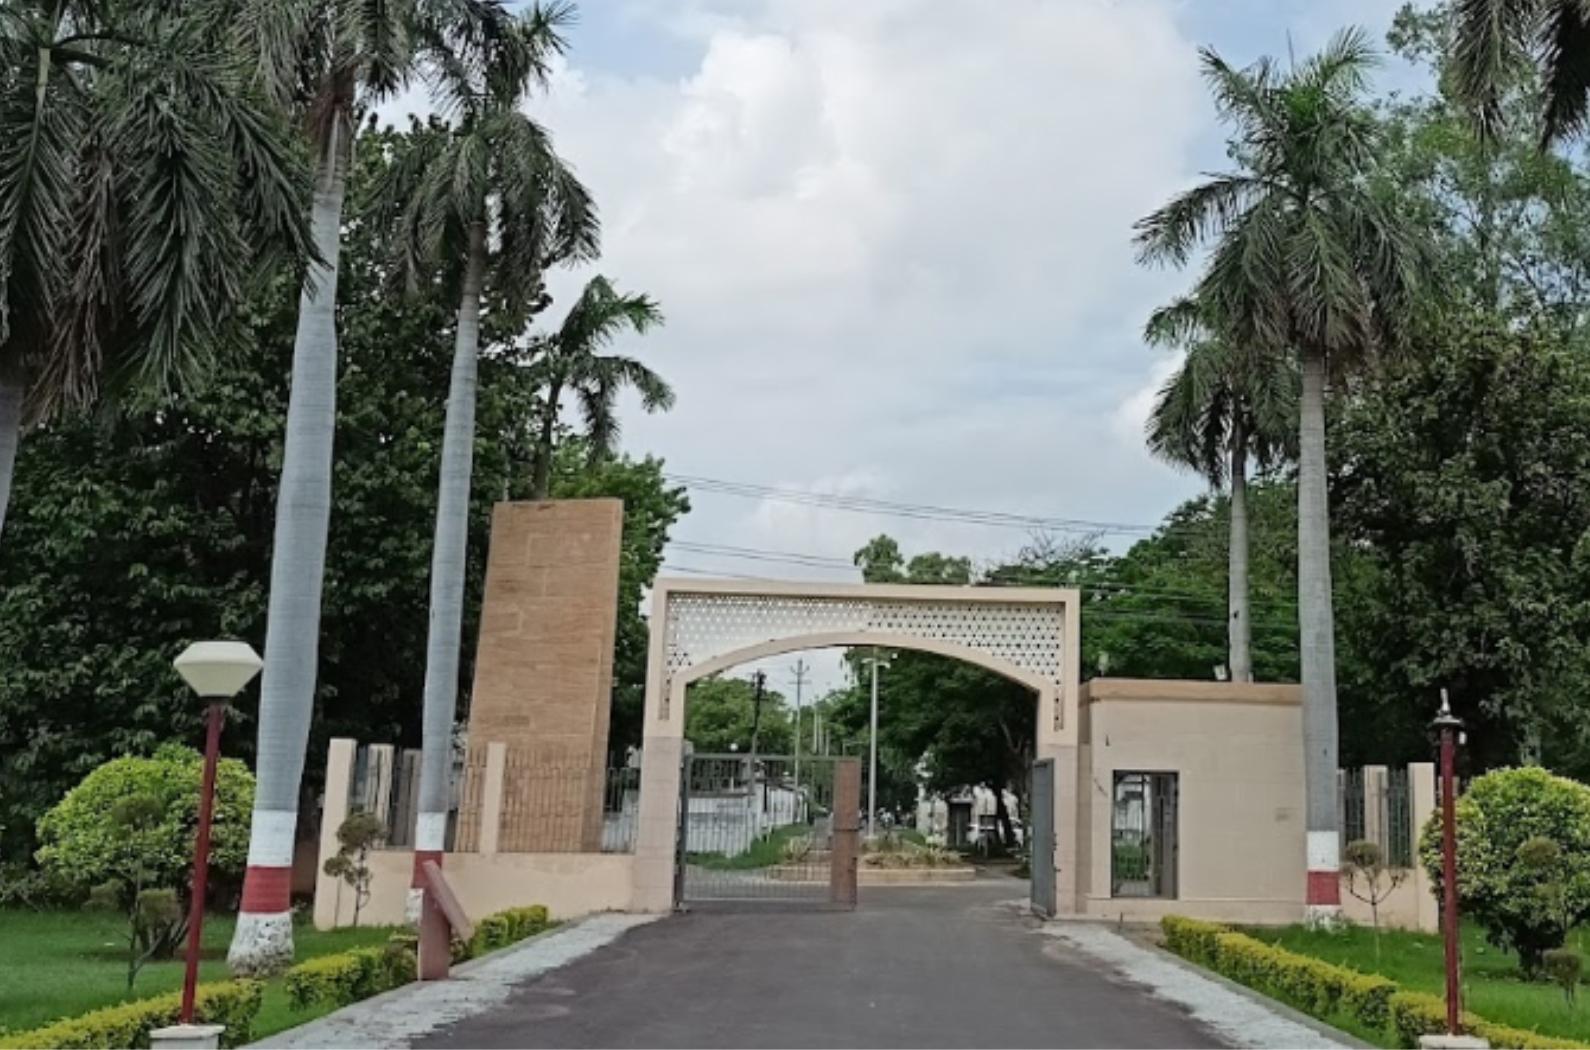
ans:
x=1217 y=413
x=1492 y=38
x=325 y=58
x=1308 y=259
x=142 y=185
x=489 y=204
x=570 y=361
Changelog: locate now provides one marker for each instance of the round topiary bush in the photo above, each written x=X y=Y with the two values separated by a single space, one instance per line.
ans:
x=89 y=838
x=1525 y=896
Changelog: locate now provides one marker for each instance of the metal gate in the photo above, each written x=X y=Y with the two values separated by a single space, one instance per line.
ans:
x=1042 y=859
x=768 y=828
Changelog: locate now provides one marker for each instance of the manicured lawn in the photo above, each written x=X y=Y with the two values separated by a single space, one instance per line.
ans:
x=1492 y=987
x=61 y=964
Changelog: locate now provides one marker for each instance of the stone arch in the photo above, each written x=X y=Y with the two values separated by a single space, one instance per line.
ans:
x=850 y=639
x=1030 y=635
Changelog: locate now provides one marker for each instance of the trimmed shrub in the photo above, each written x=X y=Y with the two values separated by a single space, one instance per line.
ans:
x=337 y=980
x=83 y=843
x=1503 y=885
x=507 y=927
x=1311 y=985
x=1321 y=989
x=231 y=1003
x=1191 y=939
x=347 y=977
x=1414 y=1014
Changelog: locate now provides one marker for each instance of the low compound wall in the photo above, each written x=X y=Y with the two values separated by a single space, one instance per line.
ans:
x=569 y=884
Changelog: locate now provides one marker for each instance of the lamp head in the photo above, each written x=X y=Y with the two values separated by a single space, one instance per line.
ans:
x=218 y=670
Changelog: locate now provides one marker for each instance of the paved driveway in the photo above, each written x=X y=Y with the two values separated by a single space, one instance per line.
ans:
x=949 y=966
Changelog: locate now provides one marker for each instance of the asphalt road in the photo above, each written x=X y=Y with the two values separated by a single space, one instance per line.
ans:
x=933 y=967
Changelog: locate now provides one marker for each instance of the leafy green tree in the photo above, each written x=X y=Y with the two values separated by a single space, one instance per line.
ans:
x=1460 y=478
x=721 y=715
x=143 y=181
x=1502 y=819
x=136 y=535
x=1309 y=256
x=1512 y=221
x=92 y=836
x=570 y=361
x=1217 y=413
x=495 y=173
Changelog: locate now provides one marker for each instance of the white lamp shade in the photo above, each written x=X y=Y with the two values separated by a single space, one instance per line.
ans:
x=218 y=669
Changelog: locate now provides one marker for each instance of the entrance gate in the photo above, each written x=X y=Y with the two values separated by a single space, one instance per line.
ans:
x=1042 y=860
x=768 y=828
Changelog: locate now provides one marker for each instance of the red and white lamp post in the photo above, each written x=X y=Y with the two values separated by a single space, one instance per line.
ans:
x=217 y=671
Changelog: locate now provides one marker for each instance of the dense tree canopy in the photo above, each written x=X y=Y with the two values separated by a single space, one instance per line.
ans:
x=137 y=532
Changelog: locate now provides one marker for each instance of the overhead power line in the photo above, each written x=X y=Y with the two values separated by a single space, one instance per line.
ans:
x=916 y=511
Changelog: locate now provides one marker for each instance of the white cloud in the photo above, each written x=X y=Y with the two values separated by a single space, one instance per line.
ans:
x=893 y=243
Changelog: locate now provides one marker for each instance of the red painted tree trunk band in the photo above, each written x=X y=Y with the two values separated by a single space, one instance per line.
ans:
x=420 y=857
x=268 y=891
x=1324 y=887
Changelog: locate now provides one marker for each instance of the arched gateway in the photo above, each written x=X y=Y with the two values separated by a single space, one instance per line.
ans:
x=700 y=627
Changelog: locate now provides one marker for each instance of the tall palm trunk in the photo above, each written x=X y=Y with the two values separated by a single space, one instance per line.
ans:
x=541 y=481
x=12 y=387
x=447 y=574
x=1240 y=629
x=1317 y=622
x=263 y=941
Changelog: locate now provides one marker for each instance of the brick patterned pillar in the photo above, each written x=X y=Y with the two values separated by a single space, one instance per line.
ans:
x=544 y=670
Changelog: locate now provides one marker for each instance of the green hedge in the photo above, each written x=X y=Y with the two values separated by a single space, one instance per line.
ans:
x=1414 y=1014
x=230 y=1003
x=348 y=977
x=1323 y=990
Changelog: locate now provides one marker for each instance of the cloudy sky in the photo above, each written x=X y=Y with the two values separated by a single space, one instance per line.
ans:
x=892 y=240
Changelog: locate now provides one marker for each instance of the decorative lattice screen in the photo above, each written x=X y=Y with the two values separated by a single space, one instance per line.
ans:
x=702 y=627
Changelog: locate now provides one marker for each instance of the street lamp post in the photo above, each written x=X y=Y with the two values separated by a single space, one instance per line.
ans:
x=217 y=671
x=1448 y=725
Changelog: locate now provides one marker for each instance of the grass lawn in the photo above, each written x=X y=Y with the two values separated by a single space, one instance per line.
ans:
x=1492 y=987
x=61 y=964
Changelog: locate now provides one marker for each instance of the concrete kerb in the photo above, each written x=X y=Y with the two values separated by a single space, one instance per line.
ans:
x=1237 y=1013
x=396 y=1018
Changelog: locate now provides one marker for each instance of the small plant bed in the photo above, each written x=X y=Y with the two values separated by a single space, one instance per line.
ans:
x=59 y=964
x=1387 y=999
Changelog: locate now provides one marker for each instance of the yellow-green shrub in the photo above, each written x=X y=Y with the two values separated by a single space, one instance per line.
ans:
x=233 y=1004
x=337 y=980
x=347 y=977
x=507 y=927
x=1321 y=989
x=1313 y=986
x=1414 y=1014
x=1191 y=939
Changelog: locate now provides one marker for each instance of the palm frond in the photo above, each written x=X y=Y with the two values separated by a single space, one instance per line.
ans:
x=1565 y=54
x=1170 y=234
x=1488 y=36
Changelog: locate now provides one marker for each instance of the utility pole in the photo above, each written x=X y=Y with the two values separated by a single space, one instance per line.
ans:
x=758 y=683
x=800 y=685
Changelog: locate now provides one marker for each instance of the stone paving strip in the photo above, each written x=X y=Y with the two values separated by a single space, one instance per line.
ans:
x=395 y=1019
x=1235 y=1017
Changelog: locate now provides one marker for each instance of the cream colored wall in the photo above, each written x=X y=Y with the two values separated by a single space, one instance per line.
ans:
x=1238 y=751
x=569 y=884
